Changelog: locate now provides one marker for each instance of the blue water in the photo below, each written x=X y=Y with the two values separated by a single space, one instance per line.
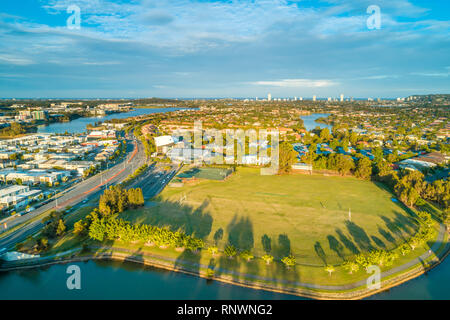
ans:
x=79 y=125
x=117 y=280
x=310 y=121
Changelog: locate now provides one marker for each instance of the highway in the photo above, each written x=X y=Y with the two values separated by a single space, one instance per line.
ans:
x=154 y=179
x=86 y=189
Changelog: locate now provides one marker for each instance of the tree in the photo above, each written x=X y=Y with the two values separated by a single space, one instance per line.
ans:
x=267 y=258
x=61 y=229
x=363 y=168
x=362 y=260
x=289 y=261
x=330 y=269
x=79 y=227
x=230 y=251
x=325 y=135
x=377 y=154
x=246 y=255
x=213 y=250
x=287 y=158
x=43 y=244
x=353 y=138
x=341 y=163
x=382 y=169
x=351 y=266
x=405 y=249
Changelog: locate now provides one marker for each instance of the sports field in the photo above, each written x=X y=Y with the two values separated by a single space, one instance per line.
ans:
x=307 y=215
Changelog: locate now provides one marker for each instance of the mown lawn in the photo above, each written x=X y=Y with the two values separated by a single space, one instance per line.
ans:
x=307 y=215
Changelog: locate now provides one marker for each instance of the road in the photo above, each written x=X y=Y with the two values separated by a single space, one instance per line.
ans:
x=154 y=179
x=89 y=188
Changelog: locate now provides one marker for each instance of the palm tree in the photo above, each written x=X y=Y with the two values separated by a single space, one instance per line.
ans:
x=289 y=261
x=213 y=250
x=405 y=249
x=230 y=251
x=351 y=266
x=330 y=269
x=247 y=255
x=267 y=258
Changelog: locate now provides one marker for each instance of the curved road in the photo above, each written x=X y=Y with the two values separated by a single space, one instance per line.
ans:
x=76 y=194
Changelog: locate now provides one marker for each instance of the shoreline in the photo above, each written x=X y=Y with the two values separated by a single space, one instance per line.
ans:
x=356 y=293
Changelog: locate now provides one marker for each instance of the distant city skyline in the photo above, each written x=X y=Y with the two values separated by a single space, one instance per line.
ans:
x=222 y=49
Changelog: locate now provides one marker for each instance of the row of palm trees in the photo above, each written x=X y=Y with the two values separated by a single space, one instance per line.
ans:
x=385 y=258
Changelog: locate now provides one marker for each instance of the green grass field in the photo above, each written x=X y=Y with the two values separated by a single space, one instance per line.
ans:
x=307 y=215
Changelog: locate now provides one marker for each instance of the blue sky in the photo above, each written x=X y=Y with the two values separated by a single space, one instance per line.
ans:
x=235 y=48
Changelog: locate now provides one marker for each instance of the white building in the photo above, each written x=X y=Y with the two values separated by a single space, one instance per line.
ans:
x=13 y=191
x=163 y=143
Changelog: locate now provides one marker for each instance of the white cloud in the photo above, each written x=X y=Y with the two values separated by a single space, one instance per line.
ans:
x=431 y=74
x=9 y=59
x=296 y=83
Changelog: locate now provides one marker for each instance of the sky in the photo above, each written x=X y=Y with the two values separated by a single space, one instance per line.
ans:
x=221 y=49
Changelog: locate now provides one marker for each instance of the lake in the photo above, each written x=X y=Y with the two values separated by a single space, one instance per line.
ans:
x=310 y=121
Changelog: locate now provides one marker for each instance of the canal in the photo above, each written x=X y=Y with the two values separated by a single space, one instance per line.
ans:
x=79 y=125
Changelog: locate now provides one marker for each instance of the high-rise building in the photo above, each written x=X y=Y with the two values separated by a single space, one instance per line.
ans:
x=39 y=115
x=269 y=97
x=314 y=98
x=342 y=97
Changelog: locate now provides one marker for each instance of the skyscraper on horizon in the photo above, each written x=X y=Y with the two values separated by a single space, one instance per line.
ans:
x=314 y=98
x=269 y=97
x=342 y=97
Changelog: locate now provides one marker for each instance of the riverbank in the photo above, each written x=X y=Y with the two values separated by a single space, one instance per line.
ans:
x=353 y=291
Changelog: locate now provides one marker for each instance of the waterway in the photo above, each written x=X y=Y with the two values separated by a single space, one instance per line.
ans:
x=79 y=125
x=121 y=280
x=310 y=121
x=127 y=280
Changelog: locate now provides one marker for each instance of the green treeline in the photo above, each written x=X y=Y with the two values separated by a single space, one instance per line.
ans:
x=116 y=199
x=113 y=228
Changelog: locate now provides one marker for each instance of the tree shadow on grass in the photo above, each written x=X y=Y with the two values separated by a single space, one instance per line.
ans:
x=240 y=233
x=378 y=242
x=196 y=222
x=218 y=236
x=347 y=242
x=359 y=236
x=282 y=248
x=400 y=225
x=266 y=243
x=386 y=235
x=336 y=246
x=188 y=260
x=320 y=252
